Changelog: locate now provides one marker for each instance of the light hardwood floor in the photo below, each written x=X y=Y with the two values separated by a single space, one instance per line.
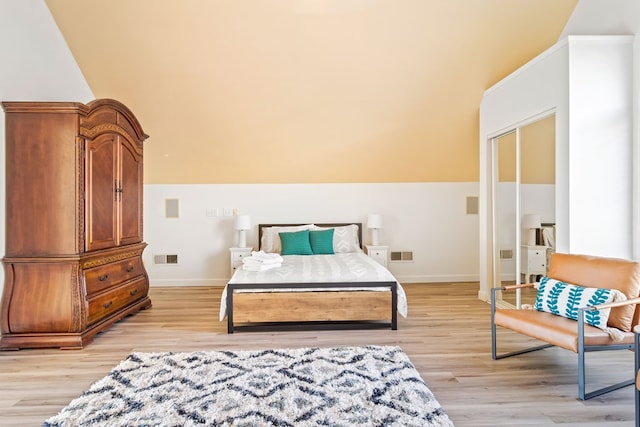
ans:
x=446 y=335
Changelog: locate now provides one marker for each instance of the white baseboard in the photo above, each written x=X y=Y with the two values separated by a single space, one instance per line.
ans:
x=438 y=278
x=159 y=283
x=402 y=279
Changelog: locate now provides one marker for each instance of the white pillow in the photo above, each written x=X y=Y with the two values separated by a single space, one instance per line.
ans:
x=345 y=238
x=270 y=241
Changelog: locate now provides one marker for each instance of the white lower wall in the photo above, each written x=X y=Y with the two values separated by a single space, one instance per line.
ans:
x=429 y=219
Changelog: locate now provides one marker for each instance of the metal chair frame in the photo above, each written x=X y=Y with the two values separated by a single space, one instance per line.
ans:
x=636 y=359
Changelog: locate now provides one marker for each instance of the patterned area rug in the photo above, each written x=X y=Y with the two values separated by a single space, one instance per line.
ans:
x=345 y=386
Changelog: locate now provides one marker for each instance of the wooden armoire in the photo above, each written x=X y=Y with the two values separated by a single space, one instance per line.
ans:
x=73 y=254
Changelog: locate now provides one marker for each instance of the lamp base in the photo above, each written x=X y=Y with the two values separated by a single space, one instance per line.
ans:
x=242 y=239
x=374 y=237
x=531 y=237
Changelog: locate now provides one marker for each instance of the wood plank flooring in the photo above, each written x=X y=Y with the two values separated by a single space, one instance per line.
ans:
x=446 y=335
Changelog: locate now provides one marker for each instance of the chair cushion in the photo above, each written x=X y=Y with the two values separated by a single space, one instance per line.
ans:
x=556 y=330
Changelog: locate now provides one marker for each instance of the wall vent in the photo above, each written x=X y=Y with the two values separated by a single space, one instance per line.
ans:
x=405 y=256
x=506 y=254
x=172 y=208
x=472 y=205
x=165 y=259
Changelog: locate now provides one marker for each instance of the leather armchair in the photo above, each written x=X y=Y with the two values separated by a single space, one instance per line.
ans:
x=577 y=336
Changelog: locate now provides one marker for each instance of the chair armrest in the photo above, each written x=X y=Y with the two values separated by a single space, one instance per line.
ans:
x=582 y=310
x=611 y=304
x=511 y=287
x=494 y=291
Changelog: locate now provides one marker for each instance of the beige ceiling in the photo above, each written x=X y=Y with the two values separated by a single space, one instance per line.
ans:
x=238 y=91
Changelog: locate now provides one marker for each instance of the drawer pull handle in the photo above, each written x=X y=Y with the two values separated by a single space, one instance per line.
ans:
x=107 y=305
x=103 y=277
x=133 y=292
x=130 y=268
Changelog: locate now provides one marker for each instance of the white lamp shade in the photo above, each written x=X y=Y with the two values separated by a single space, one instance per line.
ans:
x=531 y=221
x=374 y=221
x=242 y=222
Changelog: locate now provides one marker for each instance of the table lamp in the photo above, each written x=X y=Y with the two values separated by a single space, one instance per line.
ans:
x=374 y=222
x=531 y=222
x=242 y=223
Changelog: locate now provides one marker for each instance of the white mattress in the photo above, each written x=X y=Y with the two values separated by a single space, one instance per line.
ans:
x=350 y=267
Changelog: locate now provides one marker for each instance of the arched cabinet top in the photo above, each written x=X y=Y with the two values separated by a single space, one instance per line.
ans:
x=112 y=115
x=95 y=110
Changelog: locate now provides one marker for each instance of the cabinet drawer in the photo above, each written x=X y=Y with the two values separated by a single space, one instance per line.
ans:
x=537 y=260
x=110 y=302
x=379 y=256
x=105 y=276
x=537 y=255
x=236 y=257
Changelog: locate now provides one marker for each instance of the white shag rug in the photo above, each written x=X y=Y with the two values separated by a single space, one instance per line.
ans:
x=343 y=386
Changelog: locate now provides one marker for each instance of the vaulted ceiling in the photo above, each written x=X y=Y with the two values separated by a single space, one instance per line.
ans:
x=230 y=90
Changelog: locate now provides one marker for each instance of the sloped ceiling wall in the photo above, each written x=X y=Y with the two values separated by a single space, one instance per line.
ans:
x=307 y=91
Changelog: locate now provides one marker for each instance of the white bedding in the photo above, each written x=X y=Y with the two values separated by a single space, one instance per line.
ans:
x=350 y=267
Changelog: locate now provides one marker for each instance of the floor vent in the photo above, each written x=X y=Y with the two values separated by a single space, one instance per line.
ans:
x=406 y=256
x=165 y=259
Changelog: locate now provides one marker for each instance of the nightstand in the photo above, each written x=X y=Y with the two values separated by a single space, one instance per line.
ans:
x=237 y=254
x=533 y=260
x=379 y=253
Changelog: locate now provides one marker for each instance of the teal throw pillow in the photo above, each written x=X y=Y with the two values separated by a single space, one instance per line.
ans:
x=296 y=243
x=564 y=299
x=322 y=241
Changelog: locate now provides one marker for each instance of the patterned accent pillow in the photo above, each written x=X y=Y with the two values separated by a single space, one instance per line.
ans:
x=296 y=243
x=345 y=238
x=564 y=299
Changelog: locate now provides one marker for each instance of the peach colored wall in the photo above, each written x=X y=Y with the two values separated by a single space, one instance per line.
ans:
x=537 y=154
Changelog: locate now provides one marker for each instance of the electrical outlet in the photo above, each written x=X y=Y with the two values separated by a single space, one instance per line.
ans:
x=211 y=212
x=227 y=212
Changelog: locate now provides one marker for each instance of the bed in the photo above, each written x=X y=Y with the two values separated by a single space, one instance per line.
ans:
x=343 y=290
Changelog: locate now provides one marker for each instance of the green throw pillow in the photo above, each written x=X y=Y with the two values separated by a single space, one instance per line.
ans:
x=296 y=243
x=322 y=241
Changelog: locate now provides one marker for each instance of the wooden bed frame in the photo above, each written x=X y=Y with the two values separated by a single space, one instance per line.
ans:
x=340 y=309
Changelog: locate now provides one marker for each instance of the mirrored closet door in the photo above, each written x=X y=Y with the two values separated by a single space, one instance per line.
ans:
x=523 y=205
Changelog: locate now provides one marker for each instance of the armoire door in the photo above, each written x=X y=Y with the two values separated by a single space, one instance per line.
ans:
x=101 y=181
x=130 y=195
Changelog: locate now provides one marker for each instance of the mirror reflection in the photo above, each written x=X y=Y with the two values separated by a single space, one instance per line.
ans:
x=523 y=206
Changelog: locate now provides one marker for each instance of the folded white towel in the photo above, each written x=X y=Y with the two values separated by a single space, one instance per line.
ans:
x=260 y=267
x=262 y=258
x=257 y=262
x=266 y=255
